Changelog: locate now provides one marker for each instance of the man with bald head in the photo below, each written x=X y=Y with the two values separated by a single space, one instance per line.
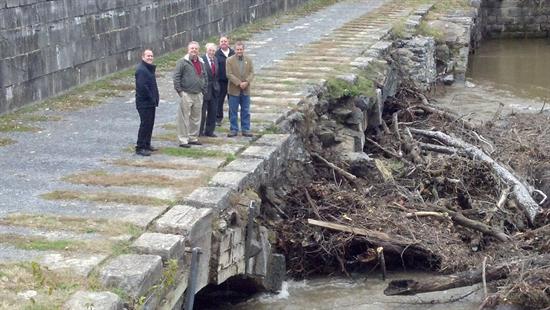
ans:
x=190 y=82
x=147 y=99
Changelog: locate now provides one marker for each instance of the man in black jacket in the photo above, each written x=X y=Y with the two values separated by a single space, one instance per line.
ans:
x=210 y=97
x=222 y=54
x=147 y=100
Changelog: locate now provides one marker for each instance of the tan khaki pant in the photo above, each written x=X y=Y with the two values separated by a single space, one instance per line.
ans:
x=188 y=118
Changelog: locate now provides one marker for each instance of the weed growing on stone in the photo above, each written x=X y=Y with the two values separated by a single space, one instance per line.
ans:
x=192 y=152
x=338 y=88
x=106 y=197
x=52 y=288
x=80 y=225
x=6 y=141
x=428 y=31
x=104 y=178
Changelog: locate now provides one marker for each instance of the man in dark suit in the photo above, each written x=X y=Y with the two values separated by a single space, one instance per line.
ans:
x=222 y=54
x=147 y=100
x=211 y=94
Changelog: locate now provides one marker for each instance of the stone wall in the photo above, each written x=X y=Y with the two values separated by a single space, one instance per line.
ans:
x=516 y=18
x=49 y=46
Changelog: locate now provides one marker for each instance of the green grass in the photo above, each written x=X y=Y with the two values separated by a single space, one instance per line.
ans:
x=106 y=197
x=192 y=152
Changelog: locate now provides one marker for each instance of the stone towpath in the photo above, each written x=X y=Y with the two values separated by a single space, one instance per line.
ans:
x=73 y=193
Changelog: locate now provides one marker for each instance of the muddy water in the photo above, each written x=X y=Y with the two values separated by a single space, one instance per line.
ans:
x=513 y=74
x=363 y=293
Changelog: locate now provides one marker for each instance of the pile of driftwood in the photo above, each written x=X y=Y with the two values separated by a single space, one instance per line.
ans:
x=436 y=199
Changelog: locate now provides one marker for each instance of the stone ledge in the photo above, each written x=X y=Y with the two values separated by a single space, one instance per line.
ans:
x=260 y=151
x=232 y=179
x=184 y=220
x=210 y=197
x=166 y=246
x=273 y=139
x=134 y=274
x=93 y=300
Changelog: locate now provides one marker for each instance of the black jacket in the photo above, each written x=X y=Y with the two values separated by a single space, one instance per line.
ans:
x=213 y=88
x=147 y=92
x=221 y=63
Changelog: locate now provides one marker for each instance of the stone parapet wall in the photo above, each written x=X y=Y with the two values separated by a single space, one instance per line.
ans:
x=49 y=46
x=516 y=18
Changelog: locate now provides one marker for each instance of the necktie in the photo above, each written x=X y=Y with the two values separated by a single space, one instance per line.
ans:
x=213 y=66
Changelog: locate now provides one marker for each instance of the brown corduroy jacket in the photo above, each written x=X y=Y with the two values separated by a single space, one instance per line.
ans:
x=235 y=76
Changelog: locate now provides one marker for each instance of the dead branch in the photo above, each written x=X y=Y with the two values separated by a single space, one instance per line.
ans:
x=395 y=244
x=461 y=220
x=520 y=191
x=467 y=278
x=340 y=171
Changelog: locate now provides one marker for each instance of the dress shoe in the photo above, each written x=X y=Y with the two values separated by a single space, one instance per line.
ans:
x=195 y=142
x=232 y=134
x=247 y=134
x=185 y=145
x=143 y=152
x=213 y=135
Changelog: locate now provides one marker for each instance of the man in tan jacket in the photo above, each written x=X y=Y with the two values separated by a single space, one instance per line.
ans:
x=240 y=73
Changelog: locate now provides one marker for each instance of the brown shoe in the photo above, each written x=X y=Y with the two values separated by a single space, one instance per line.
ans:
x=232 y=134
x=247 y=134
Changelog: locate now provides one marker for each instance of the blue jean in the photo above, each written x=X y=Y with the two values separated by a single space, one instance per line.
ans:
x=234 y=103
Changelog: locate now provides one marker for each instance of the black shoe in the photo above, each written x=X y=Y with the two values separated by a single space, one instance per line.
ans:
x=143 y=152
x=213 y=135
x=247 y=134
x=185 y=146
x=152 y=149
x=195 y=142
x=232 y=134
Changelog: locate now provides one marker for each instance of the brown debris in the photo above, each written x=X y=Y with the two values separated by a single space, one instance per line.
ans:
x=440 y=209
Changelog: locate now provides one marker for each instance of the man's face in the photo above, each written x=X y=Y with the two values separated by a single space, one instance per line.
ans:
x=224 y=43
x=239 y=50
x=148 y=57
x=210 y=51
x=193 y=50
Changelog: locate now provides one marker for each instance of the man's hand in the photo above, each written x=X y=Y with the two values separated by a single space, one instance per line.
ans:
x=243 y=85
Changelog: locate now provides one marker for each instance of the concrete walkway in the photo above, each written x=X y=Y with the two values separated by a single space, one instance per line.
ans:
x=77 y=180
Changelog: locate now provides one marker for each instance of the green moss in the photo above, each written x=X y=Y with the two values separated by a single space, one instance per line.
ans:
x=338 y=88
x=428 y=31
x=45 y=245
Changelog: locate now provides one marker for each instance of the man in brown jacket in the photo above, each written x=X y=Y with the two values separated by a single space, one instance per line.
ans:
x=240 y=73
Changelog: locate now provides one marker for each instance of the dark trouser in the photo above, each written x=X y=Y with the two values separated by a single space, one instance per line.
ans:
x=221 y=99
x=208 y=117
x=147 y=121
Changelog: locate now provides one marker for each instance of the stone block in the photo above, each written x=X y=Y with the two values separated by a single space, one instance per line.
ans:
x=265 y=152
x=185 y=220
x=216 y=198
x=93 y=300
x=248 y=165
x=166 y=246
x=273 y=140
x=231 y=179
x=134 y=274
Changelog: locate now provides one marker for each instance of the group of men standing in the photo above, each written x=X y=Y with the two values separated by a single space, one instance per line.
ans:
x=202 y=83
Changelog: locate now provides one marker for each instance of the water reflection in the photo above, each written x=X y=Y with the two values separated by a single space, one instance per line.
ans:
x=521 y=66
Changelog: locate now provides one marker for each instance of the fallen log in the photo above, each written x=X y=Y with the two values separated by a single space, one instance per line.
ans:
x=394 y=244
x=466 y=278
x=519 y=190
